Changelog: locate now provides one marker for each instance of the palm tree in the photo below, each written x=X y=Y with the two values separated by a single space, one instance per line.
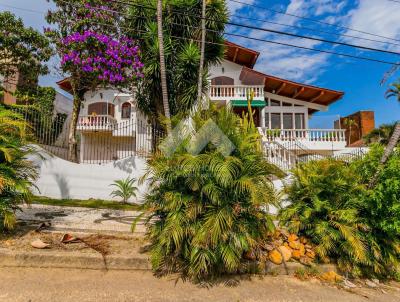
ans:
x=380 y=135
x=16 y=172
x=349 y=124
x=163 y=75
x=124 y=188
x=202 y=51
x=205 y=211
x=393 y=91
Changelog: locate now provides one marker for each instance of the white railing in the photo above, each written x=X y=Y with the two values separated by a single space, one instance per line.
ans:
x=96 y=122
x=235 y=91
x=310 y=135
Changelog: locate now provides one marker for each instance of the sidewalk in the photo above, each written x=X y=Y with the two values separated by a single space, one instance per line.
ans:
x=77 y=219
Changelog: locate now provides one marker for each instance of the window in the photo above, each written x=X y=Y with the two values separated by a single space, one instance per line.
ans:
x=126 y=110
x=222 y=81
x=267 y=120
x=286 y=104
x=275 y=121
x=101 y=108
x=275 y=103
x=287 y=121
x=299 y=121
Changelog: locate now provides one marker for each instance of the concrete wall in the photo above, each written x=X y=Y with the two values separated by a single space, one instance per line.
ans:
x=63 y=179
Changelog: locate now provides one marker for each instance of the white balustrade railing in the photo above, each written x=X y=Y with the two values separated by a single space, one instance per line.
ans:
x=96 y=122
x=311 y=135
x=235 y=91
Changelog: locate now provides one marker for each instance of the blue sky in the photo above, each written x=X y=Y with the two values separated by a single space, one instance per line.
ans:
x=360 y=80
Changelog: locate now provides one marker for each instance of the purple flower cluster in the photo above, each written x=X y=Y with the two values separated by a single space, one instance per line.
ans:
x=110 y=60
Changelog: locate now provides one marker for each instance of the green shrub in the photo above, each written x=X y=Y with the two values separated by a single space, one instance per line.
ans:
x=206 y=210
x=16 y=172
x=325 y=206
x=356 y=227
x=381 y=209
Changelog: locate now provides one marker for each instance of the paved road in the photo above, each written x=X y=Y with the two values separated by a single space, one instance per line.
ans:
x=28 y=284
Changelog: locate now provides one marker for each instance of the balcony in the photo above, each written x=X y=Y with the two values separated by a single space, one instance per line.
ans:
x=96 y=123
x=313 y=139
x=235 y=92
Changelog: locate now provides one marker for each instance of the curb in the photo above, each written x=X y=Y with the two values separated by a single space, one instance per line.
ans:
x=50 y=259
x=42 y=259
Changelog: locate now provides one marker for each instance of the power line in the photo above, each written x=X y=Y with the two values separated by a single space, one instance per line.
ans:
x=22 y=9
x=313 y=30
x=312 y=20
x=301 y=47
x=272 y=31
x=256 y=39
x=268 y=41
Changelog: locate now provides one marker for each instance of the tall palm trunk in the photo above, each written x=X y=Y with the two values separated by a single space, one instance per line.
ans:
x=395 y=138
x=163 y=75
x=202 y=51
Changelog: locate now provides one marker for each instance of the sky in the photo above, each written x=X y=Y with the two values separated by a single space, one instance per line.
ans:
x=360 y=80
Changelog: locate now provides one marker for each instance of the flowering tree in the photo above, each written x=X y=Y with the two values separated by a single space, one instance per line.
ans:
x=92 y=50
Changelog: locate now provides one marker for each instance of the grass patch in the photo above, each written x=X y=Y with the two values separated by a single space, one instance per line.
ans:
x=88 y=203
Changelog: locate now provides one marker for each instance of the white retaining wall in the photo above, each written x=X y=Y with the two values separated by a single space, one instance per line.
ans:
x=62 y=179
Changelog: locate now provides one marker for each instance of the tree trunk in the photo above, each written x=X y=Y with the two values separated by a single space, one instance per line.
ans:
x=394 y=139
x=202 y=52
x=72 y=145
x=162 y=66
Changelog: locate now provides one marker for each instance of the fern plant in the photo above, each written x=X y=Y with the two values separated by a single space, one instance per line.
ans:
x=125 y=189
x=204 y=211
x=17 y=173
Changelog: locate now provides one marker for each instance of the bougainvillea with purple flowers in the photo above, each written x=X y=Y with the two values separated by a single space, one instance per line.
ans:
x=109 y=60
x=94 y=52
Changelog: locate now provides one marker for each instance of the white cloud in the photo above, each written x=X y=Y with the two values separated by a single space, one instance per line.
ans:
x=288 y=62
x=233 y=7
x=378 y=17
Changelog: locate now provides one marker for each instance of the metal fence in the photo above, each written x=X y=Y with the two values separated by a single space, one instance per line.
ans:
x=99 y=141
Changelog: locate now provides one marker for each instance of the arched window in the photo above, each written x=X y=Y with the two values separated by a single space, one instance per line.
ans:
x=126 y=110
x=101 y=108
x=222 y=81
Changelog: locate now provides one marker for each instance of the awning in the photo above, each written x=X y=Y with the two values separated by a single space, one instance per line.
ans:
x=243 y=103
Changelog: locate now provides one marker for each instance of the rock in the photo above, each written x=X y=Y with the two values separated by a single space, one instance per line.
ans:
x=331 y=277
x=371 y=284
x=285 y=233
x=39 y=244
x=293 y=237
x=349 y=284
x=296 y=254
x=250 y=255
x=305 y=260
x=303 y=240
x=310 y=254
x=302 y=249
x=286 y=252
x=375 y=281
x=268 y=247
x=275 y=257
x=308 y=247
x=294 y=244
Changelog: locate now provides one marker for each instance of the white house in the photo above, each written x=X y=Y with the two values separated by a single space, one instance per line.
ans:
x=112 y=127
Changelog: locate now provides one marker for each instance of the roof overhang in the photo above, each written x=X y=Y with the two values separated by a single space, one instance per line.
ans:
x=240 y=55
x=65 y=84
x=289 y=89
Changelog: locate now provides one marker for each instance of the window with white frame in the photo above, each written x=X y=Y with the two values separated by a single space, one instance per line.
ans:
x=284 y=115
